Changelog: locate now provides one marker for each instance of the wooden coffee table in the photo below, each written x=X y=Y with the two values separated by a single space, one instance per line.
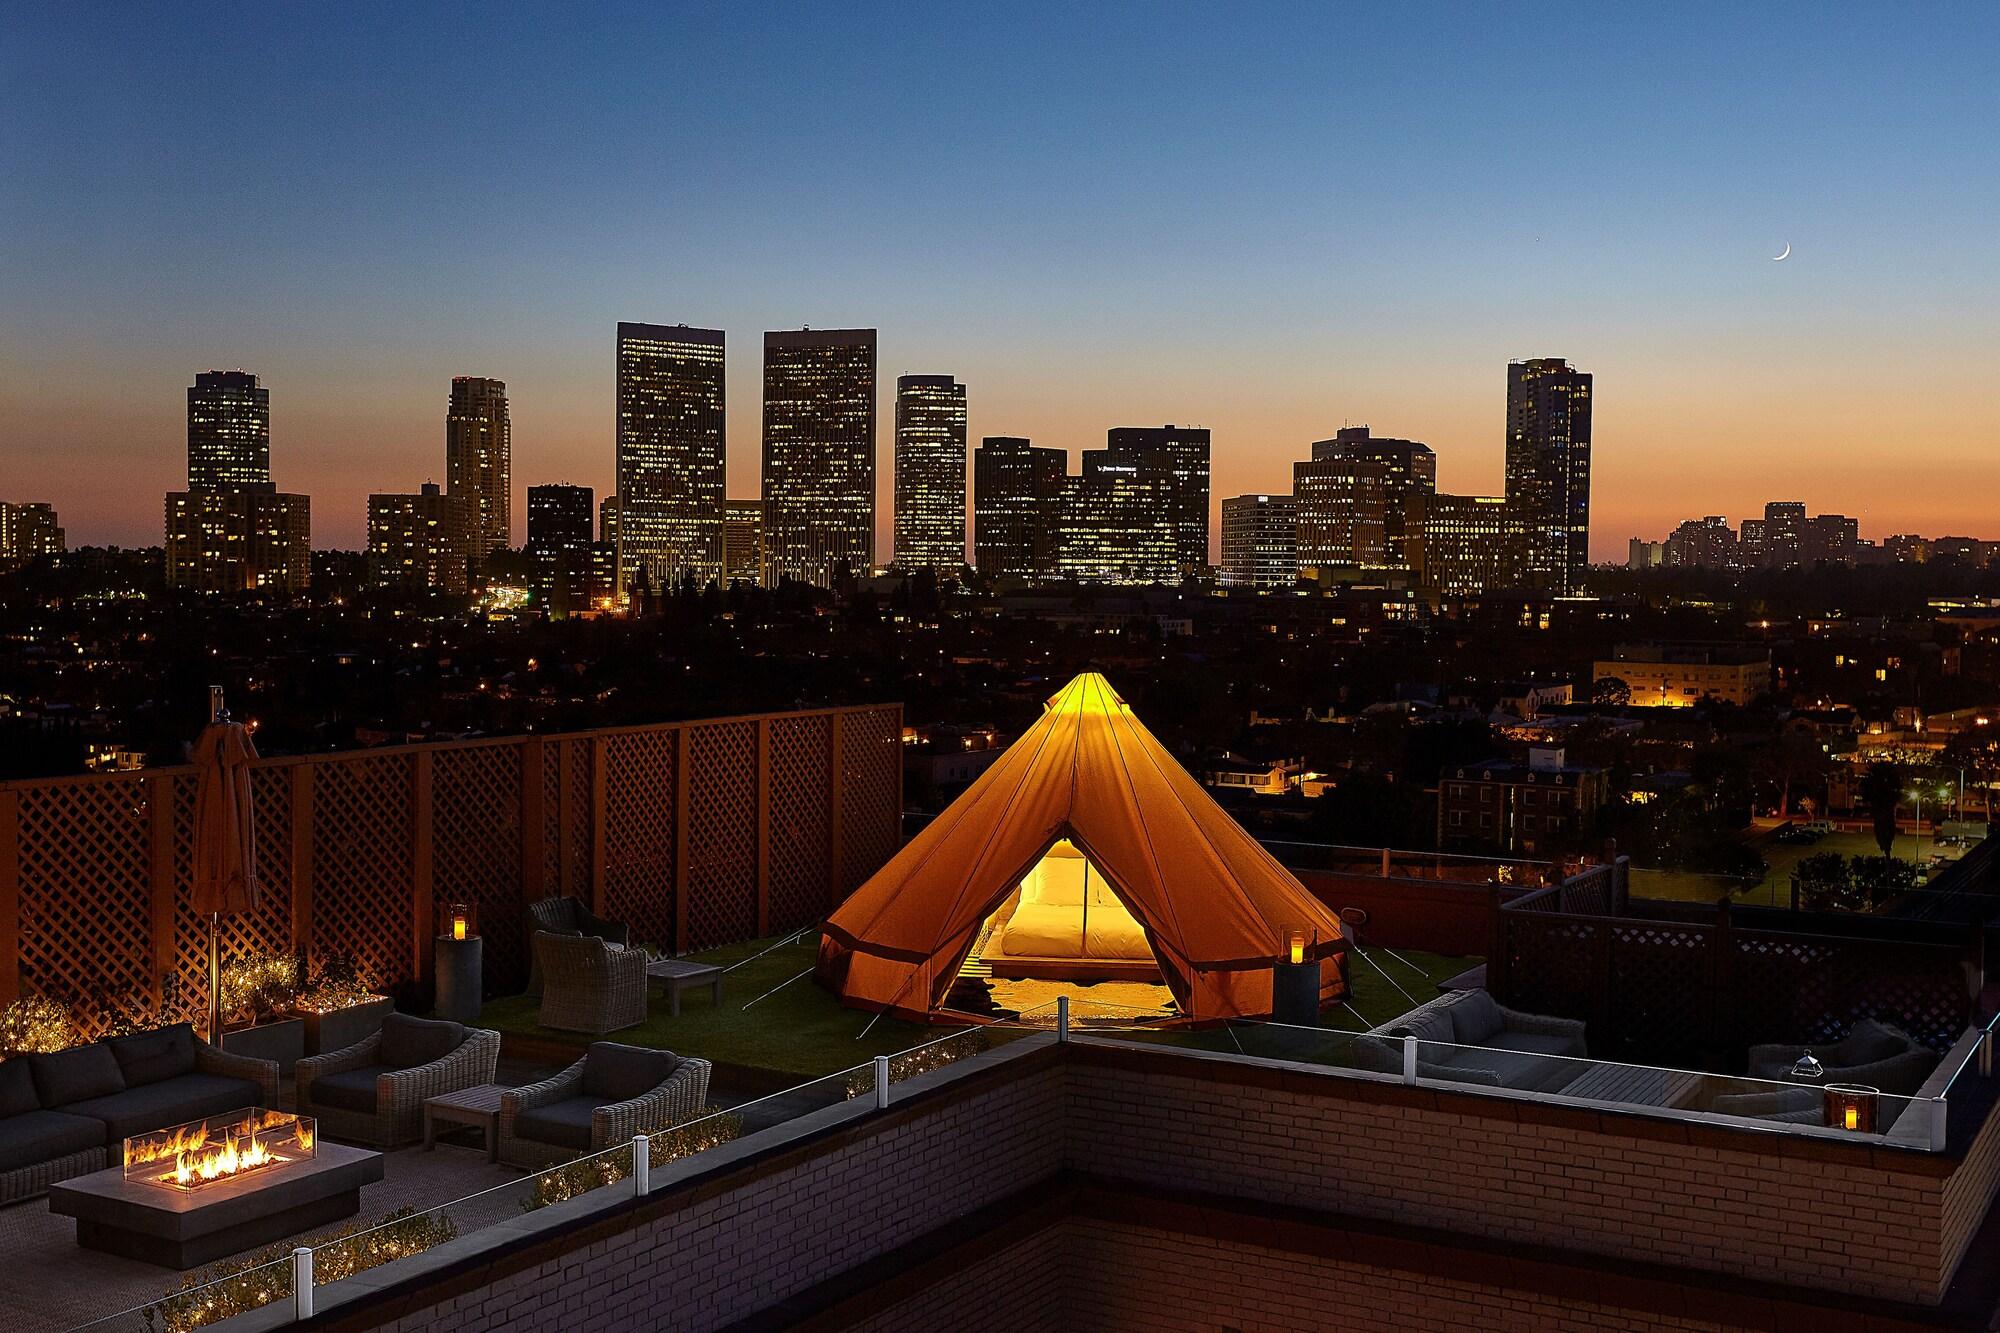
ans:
x=478 y=1106
x=1634 y=1085
x=677 y=974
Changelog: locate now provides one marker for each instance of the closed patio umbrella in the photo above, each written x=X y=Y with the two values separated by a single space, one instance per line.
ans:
x=225 y=847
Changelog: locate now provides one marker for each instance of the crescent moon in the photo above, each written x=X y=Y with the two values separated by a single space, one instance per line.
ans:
x=1784 y=256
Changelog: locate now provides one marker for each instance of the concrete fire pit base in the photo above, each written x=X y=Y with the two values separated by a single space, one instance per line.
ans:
x=157 y=1224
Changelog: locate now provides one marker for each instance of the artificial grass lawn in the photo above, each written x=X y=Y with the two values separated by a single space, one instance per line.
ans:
x=802 y=1030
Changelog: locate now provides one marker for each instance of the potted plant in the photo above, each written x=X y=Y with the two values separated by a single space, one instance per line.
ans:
x=258 y=989
x=338 y=1007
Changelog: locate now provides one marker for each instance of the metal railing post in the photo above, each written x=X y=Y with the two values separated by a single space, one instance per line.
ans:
x=1062 y=1018
x=881 y=1082
x=1986 y=1053
x=1409 y=1059
x=1940 y=1124
x=642 y=1165
x=302 y=1282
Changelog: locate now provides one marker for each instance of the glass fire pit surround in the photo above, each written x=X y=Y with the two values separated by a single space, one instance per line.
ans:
x=252 y=1141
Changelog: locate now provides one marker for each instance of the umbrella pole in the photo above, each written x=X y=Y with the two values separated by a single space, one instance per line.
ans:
x=214 y=982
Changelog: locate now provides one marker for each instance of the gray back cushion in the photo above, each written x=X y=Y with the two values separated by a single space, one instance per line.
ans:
x=1871 y=1040
x=150 y=1057
x=618 y=1073
x=1432 y=1025
x=408 y=1042
x=17 y=1089
x=1475 y=1018
x=76 y=1075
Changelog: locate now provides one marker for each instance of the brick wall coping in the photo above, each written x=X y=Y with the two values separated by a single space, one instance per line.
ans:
x=1714 y=1132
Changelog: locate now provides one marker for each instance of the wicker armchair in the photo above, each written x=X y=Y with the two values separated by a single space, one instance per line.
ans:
x=588 y=985
x=568 y=916
x=210 y=1059
x=563 y=1116
x=396 y=1116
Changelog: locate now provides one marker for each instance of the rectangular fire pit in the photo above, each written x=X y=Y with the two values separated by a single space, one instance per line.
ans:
x=198 y=1192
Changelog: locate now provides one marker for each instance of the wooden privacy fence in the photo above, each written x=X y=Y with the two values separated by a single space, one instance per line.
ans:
x=1655 y=989
x=696 y=833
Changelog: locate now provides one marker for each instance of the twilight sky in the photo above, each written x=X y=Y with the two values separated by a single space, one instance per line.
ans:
x=1270 y=221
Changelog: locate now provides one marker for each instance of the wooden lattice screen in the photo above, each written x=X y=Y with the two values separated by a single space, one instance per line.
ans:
x=696 y=834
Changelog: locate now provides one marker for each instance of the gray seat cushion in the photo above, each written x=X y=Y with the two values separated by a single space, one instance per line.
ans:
x=34 y=1137
x=1792 y=1105
x=76 y=1075
x=408 y=1042
x=149 y=1057
x=158 y=1105
x=1521 y=1070
x=1901 y=1074
x=613 y=1072
x=350 y=1089
x=566 y=1122
x=17 y=1089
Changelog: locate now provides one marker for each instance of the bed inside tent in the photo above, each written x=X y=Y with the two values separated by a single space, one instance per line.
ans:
x=1064 y=922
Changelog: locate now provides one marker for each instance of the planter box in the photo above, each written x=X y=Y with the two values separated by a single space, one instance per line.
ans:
x=283 y=1040
x=338 y=1029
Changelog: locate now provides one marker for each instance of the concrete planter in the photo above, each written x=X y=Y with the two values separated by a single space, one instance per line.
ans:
x=283 y=1040
x=338 y=1029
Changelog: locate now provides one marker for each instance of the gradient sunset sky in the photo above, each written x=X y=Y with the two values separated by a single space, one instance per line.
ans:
x=1267 y=220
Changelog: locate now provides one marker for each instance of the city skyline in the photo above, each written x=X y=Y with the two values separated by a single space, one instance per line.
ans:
x=1032 y=261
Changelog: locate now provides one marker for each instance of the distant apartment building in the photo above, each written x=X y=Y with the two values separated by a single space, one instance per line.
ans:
x=1173 y=463
x=1408 y=473
x=671 y=466
x=1017 y=489
x=1118 y=522
x=231 y=530
x=28 y=530
x=1463 y=545
x=418 y=542
x=1260 y=542
x=930 y=474
x=607 y=520
x=1786 y=537
x=1681 y=675
x=1703 y=543
x=1548 y=471
x=1341 y=506
x=479 y=462
x=1505 y=808
x=1642 y=554
x=571 y=571
x=742 y=541
x=819 y=455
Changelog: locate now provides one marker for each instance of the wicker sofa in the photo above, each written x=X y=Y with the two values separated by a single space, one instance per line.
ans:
x=611 y=1094
x=374 y=1091
x=562 y=915
x=589 y=985
x=69 y=1113
x=1873 y=1054
x=1469 y=1037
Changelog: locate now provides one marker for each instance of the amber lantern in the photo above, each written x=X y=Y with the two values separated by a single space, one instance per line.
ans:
x=1851 y=1106
x=1298 y=946
x=461 y=921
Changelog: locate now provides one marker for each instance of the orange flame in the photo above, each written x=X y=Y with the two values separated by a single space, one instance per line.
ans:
x=201 y=1153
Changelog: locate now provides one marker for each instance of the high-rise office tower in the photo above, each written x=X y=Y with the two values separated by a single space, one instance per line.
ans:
x=1548 y=471
x=1120 y=522
x=819 y=455
x=1016 y=488
x=229 y=432
x=1260 y=541
x=930 y=474
x=1409 y=470
x=1705 y=543
x=743 y=541
x=28 y=530
x=231 y=530
x=1460 y=544
x=561 y=549
x=1341 y=508
x=478 y=462
x=418 y=542
x=670 y=453
x=1175 y=459
x=607 y=520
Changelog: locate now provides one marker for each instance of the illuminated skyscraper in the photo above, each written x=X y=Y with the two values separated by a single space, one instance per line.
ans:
x=1016 y=489
x=930 y=474
x=418 y=542
x=670 y=452
x=1548 y=471
x=231 y=530
x=819 y=454
x=1341 y=508
x=229 y=432
x=478 y=462
x=1461 y=545
x=1260 y=542
x=1409 y=470
x=743 y=541
x=28 y=530
x=1174 y=460
x=1119 y=522
x=563 y=556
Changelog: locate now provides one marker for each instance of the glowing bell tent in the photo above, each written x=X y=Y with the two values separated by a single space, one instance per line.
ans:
x=1084 y=853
